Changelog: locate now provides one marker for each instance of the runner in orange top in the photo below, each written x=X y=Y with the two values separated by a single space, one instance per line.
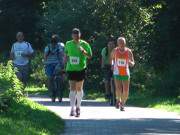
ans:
x=122 y=58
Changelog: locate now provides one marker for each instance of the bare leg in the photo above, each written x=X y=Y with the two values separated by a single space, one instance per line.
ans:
x=79 y=89
x=79 y=96
x=72 y=85
x=125 y=91
x=118 y=85
x=72 y=95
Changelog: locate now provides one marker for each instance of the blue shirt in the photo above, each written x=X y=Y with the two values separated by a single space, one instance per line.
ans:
x=55 y=55
x=19 y=48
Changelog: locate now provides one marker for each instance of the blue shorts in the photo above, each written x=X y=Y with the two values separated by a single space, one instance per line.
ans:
x=49 y=69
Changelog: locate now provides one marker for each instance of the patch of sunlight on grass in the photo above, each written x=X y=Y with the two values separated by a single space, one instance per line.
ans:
x=94 y=96
x=101 y=99
x=33 y=89
x=168 y=107
x=163 y=103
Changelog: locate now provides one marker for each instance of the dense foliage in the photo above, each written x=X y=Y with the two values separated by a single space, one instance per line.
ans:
x=10 y=87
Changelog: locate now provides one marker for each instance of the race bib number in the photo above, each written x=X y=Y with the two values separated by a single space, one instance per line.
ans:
x=121 y=62
x=74 y=60
x=18 y=53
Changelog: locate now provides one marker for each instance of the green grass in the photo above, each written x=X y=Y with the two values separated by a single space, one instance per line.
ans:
x=167 y=104
x=29 y=118
x=93 y=95
x=34 y=89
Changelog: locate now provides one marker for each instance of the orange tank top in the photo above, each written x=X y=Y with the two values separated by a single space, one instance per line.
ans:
x=121 y=62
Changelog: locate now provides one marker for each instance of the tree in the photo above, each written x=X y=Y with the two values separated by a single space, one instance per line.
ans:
x=17 y=15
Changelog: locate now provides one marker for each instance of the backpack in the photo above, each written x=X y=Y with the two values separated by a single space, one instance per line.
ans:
x=58 y=68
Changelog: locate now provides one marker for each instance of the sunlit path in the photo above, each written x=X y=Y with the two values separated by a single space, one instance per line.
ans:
x=100 y=118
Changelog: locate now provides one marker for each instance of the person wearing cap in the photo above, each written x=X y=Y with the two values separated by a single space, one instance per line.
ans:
x=54 y=65
x=77 y=53
x=21 y=53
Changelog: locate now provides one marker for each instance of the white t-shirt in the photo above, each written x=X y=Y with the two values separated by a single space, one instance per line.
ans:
x=20 y=48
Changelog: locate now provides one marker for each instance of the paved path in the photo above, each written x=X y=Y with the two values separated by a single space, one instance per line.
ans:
x=98 y=118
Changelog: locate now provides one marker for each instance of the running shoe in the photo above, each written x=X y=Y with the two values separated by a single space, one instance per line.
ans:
x=53 y=99
x=77 y=112
x=72 y=113
x=122 y=107
x=117 y=105
x=60 y=100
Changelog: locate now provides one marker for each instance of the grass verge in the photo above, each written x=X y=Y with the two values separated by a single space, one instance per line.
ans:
x=34 y=89
x=167 y=104
x=26 y=117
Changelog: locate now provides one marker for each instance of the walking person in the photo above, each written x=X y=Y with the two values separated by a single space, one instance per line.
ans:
x=54 y=66
x=77 y=54
x=21 y=53
x=106 y=65
x=122 y=58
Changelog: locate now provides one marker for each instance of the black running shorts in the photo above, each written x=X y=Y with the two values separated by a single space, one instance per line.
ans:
x=76 y=75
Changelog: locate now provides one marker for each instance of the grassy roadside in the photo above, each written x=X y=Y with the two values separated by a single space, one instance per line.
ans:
x=26 y=117
x=34 y=89
x=167 y=104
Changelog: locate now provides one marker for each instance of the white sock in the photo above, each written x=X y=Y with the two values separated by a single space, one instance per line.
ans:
x=72 y=97
x=79 y=97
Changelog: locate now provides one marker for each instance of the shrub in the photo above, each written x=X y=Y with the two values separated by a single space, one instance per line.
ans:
x=10 y=87
x=37 y=69
x=146 y=81
x=169 y=83
x=143 y=79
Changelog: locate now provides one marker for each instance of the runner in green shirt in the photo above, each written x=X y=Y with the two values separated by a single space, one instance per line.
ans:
x=77 y=59
x=77 y=53
x=106 y=66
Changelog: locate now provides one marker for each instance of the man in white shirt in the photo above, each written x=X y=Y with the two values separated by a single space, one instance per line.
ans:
x=21 y=53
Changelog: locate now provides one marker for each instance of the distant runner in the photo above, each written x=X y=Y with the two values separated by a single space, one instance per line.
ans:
x=54 y=66
x=106 y=66
x=21 y=53
x=122 y=58
x=78 y=52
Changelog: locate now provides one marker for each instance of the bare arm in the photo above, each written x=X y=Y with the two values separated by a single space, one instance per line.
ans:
x=131 y=59
x=12 y=55
x=112 y=58
x=85 y=52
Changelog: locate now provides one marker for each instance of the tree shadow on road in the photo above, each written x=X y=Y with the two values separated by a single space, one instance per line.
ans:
x=124 y=126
